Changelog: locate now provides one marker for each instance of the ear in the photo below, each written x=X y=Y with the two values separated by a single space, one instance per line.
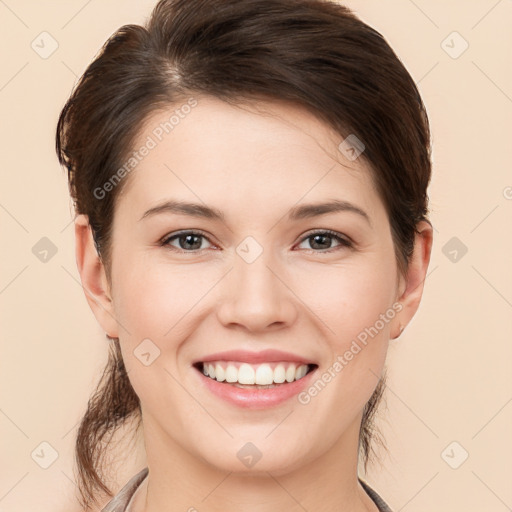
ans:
x=411 y=287
x=93 y=277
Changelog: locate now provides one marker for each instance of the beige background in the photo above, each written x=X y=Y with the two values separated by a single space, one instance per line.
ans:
x=450 y=373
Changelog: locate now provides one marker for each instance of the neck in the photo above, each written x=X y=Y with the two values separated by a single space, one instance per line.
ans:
x=180 y=481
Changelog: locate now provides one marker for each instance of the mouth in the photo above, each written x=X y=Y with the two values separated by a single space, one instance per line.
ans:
x=244 y=375
x=254 y=380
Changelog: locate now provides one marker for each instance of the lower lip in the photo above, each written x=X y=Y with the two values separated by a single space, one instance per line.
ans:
x=256 y=398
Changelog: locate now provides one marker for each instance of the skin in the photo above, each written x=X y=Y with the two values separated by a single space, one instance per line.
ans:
x=254 y=165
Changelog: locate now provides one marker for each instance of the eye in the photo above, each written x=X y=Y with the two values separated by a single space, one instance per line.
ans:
x=323 y=239
x=188 y=241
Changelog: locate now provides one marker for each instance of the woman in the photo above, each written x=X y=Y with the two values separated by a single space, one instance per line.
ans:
x=250 y=181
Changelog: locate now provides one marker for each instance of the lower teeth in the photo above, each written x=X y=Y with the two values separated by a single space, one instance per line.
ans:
x=257 y=386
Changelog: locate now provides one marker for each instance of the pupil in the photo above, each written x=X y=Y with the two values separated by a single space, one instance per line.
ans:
x=320 y=237
x=188 y=238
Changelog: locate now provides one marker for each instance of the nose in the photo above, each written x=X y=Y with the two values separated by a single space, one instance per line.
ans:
x=256 y=297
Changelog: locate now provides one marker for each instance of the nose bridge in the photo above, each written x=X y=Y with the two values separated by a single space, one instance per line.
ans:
x=256 y=297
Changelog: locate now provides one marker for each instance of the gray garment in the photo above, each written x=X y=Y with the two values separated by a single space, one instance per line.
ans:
x=120 y=502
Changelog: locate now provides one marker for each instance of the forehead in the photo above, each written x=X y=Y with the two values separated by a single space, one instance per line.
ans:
x=258 y=152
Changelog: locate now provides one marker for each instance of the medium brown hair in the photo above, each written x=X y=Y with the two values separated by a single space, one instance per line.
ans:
x=315 y=53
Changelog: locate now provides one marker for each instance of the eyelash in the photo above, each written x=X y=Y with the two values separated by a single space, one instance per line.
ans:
x=343 y=242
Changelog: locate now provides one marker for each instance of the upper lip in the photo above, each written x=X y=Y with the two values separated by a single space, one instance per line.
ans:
x=264 y=356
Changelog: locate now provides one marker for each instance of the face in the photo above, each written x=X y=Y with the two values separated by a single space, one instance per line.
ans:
x=266 y=274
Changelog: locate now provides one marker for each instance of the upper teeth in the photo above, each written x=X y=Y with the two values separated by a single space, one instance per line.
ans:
x=262 y=374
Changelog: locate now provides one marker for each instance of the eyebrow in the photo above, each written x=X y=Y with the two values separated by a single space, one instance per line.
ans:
x=313 y=210
x=296 y=213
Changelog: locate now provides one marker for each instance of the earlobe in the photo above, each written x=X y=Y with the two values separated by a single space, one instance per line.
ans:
x=93 y=277
x=412 y=290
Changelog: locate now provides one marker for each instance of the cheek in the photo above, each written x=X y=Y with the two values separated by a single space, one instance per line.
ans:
x=349 y=299
x=354 y=310
x=150 y=299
